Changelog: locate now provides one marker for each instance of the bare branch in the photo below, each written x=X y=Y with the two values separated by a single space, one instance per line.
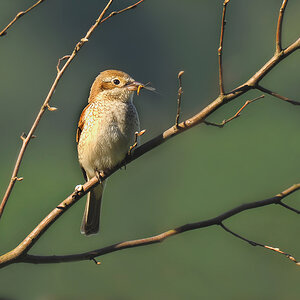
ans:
x=238 y=113
x=259 y=87
x=252 y=243
x=60 y=60
x=279 y=26
x=180 y=92
x=18 y=16
x=52 y=89
x=220 y=50
x=136 y=135
x=19 y=254
x=114 y=13
x=297 y=211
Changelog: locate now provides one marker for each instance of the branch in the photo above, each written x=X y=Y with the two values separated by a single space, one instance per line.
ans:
x=297 y=211
x=279 y=26
x=180 y=92
x=259 y=87
x=137 y=134
x=220 y=50
x=252 y=243
x=238 y=113
x=45 y=105
x=18 y=16
x=19 y=254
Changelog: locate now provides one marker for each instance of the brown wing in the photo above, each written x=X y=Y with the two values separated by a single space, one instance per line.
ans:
x=81 y=124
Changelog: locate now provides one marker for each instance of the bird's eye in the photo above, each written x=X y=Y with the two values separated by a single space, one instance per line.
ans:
x=116 y=81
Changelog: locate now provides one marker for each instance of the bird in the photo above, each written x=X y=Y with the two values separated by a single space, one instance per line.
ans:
x=106 y=130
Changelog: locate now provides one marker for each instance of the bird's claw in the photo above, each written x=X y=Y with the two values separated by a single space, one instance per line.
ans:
x=78 y=188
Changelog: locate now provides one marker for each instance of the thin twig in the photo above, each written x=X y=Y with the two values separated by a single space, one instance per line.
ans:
x=264 y=90
x=19 y=254
x=114 y=13
x=220 y=49
x=95 y=261
x=60 y=60
x=252 y=243
x=297 y=211
x=136 y=136
x=238 y=113
x=49 y=96
x=279 y=26
x=180 y=92
x=18 y=16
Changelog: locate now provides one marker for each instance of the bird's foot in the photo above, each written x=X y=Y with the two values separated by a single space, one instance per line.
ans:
x=78 y=188
x=100 y=175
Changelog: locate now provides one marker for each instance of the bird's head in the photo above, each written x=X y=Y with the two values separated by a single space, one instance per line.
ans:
x=115 y=85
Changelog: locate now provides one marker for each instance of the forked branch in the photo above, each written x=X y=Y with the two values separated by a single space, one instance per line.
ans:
x=19 y=254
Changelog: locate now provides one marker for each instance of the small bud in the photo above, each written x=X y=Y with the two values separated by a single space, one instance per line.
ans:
x=51 y=108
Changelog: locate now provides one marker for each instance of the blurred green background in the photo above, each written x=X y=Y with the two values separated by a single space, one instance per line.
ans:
x=194 y=176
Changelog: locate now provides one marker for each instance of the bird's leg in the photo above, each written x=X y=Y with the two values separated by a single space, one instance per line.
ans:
x=100 y=174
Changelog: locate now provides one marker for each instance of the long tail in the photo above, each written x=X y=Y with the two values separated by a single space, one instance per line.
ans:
x=91 y=217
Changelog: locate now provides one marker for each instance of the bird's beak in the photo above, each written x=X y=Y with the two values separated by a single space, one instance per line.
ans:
x=137 y=86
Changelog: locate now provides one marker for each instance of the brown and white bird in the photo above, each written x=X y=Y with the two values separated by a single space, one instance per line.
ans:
x=105 y=132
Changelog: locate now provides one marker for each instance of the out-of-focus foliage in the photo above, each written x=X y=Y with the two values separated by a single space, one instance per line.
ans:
x=194 y=176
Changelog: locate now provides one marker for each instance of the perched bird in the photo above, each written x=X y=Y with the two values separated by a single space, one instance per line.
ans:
x=106 y=130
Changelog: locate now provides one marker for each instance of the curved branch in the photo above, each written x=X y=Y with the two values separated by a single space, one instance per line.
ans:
x=18 y=16
x=19 y=254
x=45 y=105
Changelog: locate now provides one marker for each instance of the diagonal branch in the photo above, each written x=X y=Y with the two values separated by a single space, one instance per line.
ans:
x=297 y=211
x=264 y=90
x=19 y=254
x=50 y=94
x=279 y=26
x=18 y=16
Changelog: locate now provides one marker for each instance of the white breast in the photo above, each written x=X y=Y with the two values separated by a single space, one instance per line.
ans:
x=107 y=138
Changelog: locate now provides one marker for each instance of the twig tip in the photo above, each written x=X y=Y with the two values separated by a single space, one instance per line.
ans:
x=95 y=261
x=180 y=74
